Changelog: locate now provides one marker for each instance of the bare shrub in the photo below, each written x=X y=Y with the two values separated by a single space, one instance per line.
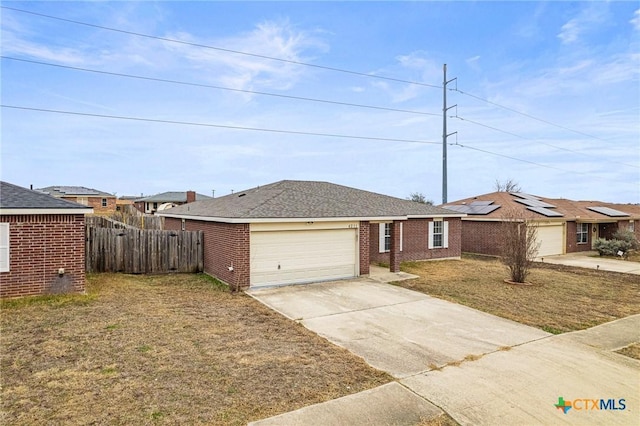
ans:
x=519 y=245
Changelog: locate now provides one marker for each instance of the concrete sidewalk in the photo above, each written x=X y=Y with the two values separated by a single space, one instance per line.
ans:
x=591 y=260
x=478 y=368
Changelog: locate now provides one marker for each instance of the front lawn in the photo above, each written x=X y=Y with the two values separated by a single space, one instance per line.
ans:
x=561 y=298
x=173 y=349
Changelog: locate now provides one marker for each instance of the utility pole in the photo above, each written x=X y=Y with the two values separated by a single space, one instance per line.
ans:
x=445 y=135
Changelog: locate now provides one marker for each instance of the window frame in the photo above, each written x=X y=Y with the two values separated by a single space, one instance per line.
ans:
x=5 y=247
x=444 y=233
x=582 y=233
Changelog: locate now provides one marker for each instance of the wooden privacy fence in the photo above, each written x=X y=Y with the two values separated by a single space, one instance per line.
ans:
x=138 y=251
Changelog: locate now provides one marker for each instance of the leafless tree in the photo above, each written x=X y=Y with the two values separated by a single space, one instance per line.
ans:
x=419 y=197
x=509 y=185
x=519 y=245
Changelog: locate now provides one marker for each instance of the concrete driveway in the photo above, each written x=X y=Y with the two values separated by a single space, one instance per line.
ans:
x=399 y=331
x=479 y=368
x=591 y=260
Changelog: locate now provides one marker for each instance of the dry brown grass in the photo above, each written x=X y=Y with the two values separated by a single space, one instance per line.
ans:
x=632 y=351
x=442 y=420
x=174 y=349
x=561 y=298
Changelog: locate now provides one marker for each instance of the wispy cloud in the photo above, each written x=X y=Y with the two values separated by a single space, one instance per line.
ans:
x=635 y=21
x=268 y=39
x=592 y=15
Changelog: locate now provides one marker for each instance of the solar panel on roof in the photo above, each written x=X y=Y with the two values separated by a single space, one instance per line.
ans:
x=534 y=203
x=545 y=212
x=525 y=196
x=77 y=190
x=607 y=211
x=481 y=203
x=473 y=209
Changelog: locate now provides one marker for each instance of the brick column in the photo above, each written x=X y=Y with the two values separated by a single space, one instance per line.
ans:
x=363 y=247
x=394 y=254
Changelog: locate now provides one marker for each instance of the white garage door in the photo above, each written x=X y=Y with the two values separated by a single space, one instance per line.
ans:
x=550 y=239
x=302 y=256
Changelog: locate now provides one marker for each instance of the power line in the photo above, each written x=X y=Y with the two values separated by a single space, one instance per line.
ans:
x=538 y=142
x=524 y=114
x=519 y=159
x=209 y=86
x=187 y=123
x=204 y=46
x=222 y=126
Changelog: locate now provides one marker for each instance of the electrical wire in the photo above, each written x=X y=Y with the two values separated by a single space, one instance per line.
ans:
x=294 y=132
x=222 y=126
x=524 y=114
x=221 y=49
x=538 y=142
x=209 y=86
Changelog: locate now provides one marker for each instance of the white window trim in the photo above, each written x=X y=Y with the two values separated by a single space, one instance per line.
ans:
x=381 y=237
x=4 y=247
x=445 y=235
x=583 y=231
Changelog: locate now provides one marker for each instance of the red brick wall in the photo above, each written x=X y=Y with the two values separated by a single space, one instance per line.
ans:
x=364 y=244
x=481 y=237
x=626 y=224
x=415 y=241
x=38 y=246
x=225 y=244
x=572 y=245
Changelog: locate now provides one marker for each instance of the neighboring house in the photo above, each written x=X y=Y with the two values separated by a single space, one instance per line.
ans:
x=101 y=202
x=160 y=202
x=42 y=243
x=299 y=232
x=564 y=226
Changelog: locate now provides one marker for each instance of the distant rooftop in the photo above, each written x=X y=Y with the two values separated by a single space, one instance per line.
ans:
x=73 y=191
x=16 y=197
x=171 y=197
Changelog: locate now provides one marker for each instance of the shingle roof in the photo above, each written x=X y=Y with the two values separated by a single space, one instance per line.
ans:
x=171 y=197
x=306 y=199
x=17 y=197
x=538 y=208
x=80 y=191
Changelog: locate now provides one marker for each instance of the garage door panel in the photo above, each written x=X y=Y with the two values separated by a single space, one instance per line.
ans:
x=550 y=240
x=284 y=257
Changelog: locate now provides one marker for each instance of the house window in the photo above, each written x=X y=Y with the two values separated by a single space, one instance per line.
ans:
x=4 y=247
x=385 y=237
x=583 y=233
x=184 y=225
x=104 y=202
x=438 y=234
x=83 y=200
x=631 y=227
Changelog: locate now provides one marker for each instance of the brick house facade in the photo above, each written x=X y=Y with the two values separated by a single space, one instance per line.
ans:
x=101 y=202
x=45 y=245
x=297 y=232
x=564 y=226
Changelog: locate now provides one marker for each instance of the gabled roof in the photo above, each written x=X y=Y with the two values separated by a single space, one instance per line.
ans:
x=74 y=191
x=536 y=207
x=171 y=197
x=18 y=200
x=301 y=200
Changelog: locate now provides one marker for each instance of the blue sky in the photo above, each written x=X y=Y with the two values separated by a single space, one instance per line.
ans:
x=547 y=94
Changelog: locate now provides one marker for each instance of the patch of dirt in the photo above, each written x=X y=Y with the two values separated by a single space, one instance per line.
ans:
x=172 y=349
x=632 y=351
x=563 y=298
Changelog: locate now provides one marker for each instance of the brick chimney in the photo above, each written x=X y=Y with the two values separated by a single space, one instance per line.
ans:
x=191 y=196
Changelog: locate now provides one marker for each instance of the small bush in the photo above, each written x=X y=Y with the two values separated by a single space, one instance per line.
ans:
x=622 y=241
x=627 y=236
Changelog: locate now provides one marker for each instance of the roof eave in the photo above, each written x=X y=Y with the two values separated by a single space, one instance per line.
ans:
x=17 y=211
x=303 y=219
